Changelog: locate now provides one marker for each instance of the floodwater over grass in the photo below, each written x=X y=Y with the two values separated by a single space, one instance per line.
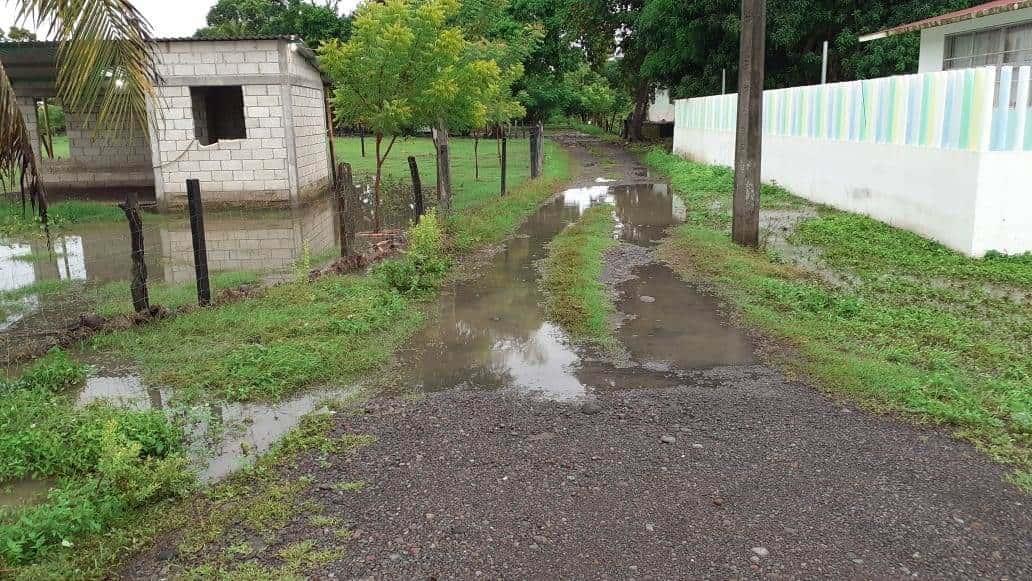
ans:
x=229 y=380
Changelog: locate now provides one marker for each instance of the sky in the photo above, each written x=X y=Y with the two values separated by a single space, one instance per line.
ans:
x=169 y=18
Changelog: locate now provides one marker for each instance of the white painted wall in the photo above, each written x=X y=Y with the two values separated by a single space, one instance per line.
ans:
x=933 y=40
x=1003 y=207
x=970 y=201
x=661 y=109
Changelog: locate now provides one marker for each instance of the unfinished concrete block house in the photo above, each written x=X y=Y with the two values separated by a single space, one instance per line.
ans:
x=245 y=116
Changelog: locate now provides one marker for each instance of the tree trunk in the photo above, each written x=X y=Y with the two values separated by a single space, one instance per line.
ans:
x=443 y=167
x=641 y=104
x=376 y=184
x=476 y=157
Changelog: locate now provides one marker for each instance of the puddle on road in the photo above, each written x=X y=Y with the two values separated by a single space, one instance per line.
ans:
x=23 y=492
x=491 y=333
x=670 y=327
x=223 y=437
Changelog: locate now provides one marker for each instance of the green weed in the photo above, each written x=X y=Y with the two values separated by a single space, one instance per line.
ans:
x=108 y=461
x=570 y=277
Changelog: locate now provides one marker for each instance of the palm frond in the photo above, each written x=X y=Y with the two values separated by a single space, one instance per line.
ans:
x=106 y=72
x=106 y=62
x=17 y=160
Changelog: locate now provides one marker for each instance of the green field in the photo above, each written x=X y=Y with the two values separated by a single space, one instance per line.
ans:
x=468 y=191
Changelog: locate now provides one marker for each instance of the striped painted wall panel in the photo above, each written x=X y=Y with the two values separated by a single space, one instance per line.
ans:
x=983 y=109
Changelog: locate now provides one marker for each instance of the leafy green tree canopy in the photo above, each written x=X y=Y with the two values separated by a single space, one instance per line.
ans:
x=688 y=42
x=314 y=23
x=405 y=67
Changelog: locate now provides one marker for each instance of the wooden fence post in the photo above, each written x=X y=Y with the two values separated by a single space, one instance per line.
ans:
x=417 y=186
x=346 y=208
x=504 y=161
x=138 y=286
x=537 y=132
x=200 y=248
x=443 y=168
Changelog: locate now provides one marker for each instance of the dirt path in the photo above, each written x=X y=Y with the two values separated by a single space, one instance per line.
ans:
x=718 y=470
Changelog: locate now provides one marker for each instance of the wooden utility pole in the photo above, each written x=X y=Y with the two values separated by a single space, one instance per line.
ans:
x=138 y=286
x=745 y=226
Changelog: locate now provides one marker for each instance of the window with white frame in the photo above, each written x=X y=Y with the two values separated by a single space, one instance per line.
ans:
x=1009 y=45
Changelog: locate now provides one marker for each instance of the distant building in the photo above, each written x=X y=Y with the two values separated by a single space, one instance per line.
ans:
x=993 y=33
x=245 y=116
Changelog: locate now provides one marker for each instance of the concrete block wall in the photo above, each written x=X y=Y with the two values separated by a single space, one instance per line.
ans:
x=96 y=159
x=313 y=174
x=230 y=170
x=275 y=163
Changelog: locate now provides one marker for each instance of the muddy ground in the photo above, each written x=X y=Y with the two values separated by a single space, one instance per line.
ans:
x=732 y=471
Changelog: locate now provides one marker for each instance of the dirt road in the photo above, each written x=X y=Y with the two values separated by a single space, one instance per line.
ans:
x=693 y=460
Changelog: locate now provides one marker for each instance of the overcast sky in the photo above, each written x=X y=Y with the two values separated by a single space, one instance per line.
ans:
x=168 y=17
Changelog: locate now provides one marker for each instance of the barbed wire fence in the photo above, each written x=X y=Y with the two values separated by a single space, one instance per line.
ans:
x=89 y=266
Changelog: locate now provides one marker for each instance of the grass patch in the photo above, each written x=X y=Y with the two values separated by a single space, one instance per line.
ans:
x=106 y=461
x=574 y=296
x=113 y=298
x=61 y=215
x=924 y=330
x=220 y=524
x=296 y=335
x=468 y=191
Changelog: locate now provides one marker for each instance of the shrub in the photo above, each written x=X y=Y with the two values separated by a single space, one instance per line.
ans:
x=424 y=264
x=54 y=372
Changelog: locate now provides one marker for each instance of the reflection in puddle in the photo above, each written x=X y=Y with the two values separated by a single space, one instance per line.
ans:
x=23 y=492
x=490 y=332
x=223 y=437
x=255 y=240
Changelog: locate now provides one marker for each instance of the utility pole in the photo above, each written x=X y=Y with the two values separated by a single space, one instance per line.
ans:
x=824 y=65
x=745 y=225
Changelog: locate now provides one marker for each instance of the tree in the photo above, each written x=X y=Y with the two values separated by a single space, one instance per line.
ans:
x=543 y=90
x=314 y=23
x=406 y=67
x=20 y=34
x=104 y=45
x=689 y=42
x=609 y=29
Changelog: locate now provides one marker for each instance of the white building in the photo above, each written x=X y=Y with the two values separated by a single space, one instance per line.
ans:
x=945 y=153
x=993 y=33
x=246 y=117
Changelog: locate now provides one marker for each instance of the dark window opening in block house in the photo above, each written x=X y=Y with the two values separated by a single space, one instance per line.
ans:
x=218 y=113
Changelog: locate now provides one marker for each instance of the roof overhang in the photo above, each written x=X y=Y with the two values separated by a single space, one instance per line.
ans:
x=986 y=9
x=32 y=65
